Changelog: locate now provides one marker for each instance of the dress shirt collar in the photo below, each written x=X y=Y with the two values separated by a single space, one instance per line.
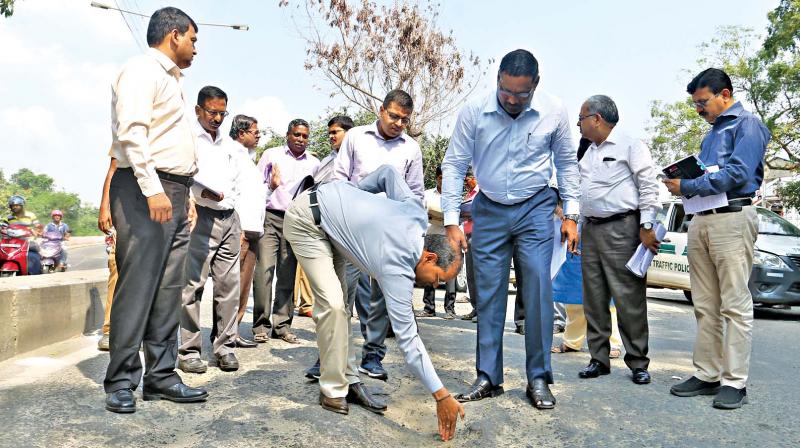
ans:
x=200 y=132
x=289 y=152
x=493 y=105
x=165 y=62
x=613 y=138
x=377 y=133
x=734 y=111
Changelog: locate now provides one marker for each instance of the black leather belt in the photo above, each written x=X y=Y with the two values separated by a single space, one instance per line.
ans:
x=734 y=205
x=217 y=213
x=614 y=217
x=280 y=213
x=314 y=204
x=177 y=178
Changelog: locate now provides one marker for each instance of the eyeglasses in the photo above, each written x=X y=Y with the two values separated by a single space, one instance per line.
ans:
x=255 y=133
x=702 y=103
x=333 y=132
x=520 y=95
x=394 y=118
x=214 y=113
x=583 y=117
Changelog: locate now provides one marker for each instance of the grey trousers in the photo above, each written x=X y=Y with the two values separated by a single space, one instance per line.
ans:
x=377 y=324
x=151 y=260
x=275 y=259
x=214 y=249
x=606 y=249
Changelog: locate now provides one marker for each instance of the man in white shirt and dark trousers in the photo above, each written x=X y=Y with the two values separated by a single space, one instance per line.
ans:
x=153 y=144
x=619 y=203
x=250 y=209
x=433 y=203
x=214 y=244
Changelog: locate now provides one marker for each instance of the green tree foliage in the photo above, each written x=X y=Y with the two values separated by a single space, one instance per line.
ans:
x=790 y=194
x=433 y=149
x=41 y=198
x=676 y=131
x=6 y=7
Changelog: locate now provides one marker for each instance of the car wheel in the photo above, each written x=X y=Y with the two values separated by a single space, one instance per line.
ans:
x=688 y=295
x=461 y=279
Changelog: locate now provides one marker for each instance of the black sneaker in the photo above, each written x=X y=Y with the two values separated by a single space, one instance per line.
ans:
x=313 y=372
x=372 y=367
x=693 y=387
x=730 y=397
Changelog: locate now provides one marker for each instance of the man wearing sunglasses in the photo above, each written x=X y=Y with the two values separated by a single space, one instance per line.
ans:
x=721 y=241
x=512 y=139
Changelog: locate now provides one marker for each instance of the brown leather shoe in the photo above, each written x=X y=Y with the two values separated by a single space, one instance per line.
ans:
x=337 y=405
x=358 y=394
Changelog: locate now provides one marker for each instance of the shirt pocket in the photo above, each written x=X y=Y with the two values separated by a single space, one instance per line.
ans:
x=611 y=172
x=539 y=140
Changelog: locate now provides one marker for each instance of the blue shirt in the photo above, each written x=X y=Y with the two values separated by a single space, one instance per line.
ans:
x=512 y=158
x=736 y=143
x=383 y=236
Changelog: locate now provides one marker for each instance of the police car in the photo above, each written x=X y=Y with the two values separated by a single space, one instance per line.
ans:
x=775 y=279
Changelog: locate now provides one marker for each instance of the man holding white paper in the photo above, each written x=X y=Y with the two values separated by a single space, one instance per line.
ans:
x=721 y=240
x=619 y=202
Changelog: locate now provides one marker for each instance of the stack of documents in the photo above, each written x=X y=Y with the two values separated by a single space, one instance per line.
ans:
x=642 y=258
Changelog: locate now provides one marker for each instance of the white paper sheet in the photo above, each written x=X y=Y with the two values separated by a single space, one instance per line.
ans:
x=642 y=258
x=702 y=203
x=559 y=250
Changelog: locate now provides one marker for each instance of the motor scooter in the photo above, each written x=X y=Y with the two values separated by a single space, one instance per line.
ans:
x=15 y=240
x=50 y=250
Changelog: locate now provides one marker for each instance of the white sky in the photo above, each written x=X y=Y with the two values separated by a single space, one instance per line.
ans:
x=57 y=59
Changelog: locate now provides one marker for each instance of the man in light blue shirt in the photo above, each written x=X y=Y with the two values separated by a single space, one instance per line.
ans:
x=512 y=138
x=336 y=221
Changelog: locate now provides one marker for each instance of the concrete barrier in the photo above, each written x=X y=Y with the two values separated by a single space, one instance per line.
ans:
x=43 y=309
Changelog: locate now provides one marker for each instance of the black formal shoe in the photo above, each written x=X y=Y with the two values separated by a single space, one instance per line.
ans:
x=337 y=405
x=640 y=376
x=481 y=388
x=358 y=394
x=245 y=343
x=520 y=329
x=121 y=401
x=730 y=397
x=228 y=362
x=193 y=365
x=179 y=393
x=539 y=394
x=469 y=316
x=593 y=370
x=693 y=387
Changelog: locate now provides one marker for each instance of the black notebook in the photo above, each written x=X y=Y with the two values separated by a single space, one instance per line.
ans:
x=686 y=168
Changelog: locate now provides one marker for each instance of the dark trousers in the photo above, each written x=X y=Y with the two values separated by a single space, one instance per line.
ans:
x=471 y=290
x=429 y=297
x=150 y=259
x=247 y=265
x=523 y=230
x=606 y=249
x=275 y=259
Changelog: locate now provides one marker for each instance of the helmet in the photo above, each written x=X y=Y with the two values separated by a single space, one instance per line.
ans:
x=56 y=213
x=16 y=200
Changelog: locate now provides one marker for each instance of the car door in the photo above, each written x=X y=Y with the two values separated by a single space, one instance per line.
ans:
x=670 y=266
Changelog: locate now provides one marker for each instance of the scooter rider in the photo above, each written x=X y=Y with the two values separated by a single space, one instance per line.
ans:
x=16 y=204
x=61 y=227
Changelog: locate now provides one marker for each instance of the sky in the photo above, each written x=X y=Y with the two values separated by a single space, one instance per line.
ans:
x=58 y=58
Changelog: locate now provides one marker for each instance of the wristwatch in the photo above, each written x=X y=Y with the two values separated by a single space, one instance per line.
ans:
x=573 y=218
x=646 y=225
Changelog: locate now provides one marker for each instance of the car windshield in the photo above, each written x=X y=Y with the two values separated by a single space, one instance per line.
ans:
x=770 y=223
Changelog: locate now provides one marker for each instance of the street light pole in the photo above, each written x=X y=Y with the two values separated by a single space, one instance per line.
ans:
x=104 y=6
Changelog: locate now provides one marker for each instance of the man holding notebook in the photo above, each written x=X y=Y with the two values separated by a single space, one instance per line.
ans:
x=721 y=241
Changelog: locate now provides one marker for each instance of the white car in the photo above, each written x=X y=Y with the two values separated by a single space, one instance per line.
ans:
x=775 y=279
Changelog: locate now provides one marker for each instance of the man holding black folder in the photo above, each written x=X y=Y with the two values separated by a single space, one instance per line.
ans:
x=721 y=241
x=619 y=202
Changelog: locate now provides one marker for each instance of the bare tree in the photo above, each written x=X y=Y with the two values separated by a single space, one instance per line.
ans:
x=364 y=51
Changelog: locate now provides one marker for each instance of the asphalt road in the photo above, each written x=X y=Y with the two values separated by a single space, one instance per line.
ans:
x=87 y=257
x=54 y=397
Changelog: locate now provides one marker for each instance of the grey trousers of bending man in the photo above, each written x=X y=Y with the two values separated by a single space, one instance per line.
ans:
x=275 y=259
x=213 y=249
x=151 y=263
x=606 y=249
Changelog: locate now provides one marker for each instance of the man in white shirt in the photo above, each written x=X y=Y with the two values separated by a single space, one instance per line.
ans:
x=153 y=144
x=215 y=241
x=433 y=203
x=619 y=202
x=251 y=211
